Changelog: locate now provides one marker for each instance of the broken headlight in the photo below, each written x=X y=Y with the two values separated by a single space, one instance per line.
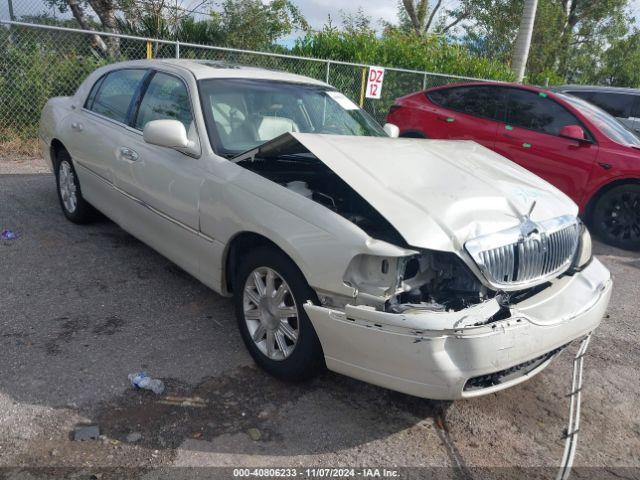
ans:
x=379 y=277
x=437 y=279
x=584 y=252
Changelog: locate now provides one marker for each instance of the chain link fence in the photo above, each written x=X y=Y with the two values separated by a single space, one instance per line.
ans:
x=38 y=62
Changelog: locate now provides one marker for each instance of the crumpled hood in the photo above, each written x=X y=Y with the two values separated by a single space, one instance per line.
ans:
x=437 y=193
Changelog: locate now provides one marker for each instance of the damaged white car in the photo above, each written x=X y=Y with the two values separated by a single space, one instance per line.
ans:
x=435 y=268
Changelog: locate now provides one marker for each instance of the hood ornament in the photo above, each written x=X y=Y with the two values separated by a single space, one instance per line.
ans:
x=531 y=231
x=527 y=226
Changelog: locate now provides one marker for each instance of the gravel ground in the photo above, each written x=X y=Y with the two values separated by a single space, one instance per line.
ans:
x=83 y=306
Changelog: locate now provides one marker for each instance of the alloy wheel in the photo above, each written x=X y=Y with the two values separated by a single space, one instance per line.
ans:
x=67 y=185
x=271 y=313
x=620 y=218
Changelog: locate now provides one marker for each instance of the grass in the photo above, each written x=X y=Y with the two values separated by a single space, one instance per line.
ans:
x=13 y=145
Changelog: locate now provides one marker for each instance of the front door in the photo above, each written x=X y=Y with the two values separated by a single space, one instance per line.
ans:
x=95 y=130
x=164 y=179
x=164 y=184
x=530 y=137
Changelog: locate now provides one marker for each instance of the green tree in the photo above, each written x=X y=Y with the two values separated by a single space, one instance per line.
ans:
x=620 y=63
x=419 y=16
x=105 y=10
x=252 y=24
x=248 y=24
x=569 y=36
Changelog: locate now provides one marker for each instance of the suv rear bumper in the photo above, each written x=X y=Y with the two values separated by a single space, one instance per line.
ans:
x=435 y=354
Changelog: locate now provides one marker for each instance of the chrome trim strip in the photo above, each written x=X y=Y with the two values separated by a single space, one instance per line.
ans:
x=146 y=205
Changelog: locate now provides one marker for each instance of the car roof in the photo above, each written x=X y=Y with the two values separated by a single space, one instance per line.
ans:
x=203 y=69
x=596 y=88
x=494 y=83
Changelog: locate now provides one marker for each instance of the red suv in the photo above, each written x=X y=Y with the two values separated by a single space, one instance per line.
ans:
x=574 y=145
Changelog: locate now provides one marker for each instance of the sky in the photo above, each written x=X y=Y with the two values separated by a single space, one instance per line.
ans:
x=315 y=11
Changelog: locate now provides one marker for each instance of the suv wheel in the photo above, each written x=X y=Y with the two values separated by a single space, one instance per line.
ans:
x=616 y=217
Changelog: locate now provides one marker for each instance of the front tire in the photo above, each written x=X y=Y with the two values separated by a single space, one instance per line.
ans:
x=73 y=204
x=269 y=294
x=616 y=217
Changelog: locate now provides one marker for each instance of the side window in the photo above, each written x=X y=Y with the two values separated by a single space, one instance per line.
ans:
x=115 y=93
x=92 y=94
x=617 y=104
x=537 y=112
x=479 y=101
x=166 y=98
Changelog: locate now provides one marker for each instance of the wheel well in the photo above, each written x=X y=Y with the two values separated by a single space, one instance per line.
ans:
x=237 y=248
x=413 y=134
x=588 y=211
x=56 y=146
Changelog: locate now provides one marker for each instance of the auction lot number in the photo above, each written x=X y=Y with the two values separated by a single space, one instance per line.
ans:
x=374 y=82
x=315 y=472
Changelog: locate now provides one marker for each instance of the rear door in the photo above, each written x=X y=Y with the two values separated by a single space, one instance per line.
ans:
x=96 y=129
x=530 y=137
x=468 y=113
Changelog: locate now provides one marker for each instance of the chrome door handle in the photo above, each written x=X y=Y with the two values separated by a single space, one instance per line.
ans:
x=128 y=154
x=77 y=126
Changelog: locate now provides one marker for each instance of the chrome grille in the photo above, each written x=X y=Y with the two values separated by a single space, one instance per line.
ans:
x=510 y=260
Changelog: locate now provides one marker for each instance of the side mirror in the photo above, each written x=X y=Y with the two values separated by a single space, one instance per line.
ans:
x=171 y=134
x=574 y=132
x=392 y=130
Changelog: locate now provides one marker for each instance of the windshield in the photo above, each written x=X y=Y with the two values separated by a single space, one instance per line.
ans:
x=606 y=123
x=244 y=113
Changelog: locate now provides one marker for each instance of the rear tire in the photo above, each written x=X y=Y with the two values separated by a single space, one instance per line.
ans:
x=616 y=217
x=269 y=294
x=73 y=204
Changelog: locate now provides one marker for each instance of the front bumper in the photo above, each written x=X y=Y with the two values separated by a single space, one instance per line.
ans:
x=435 y=354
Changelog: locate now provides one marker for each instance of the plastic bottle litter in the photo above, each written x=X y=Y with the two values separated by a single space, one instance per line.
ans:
x=8 y=235
x=144 y=381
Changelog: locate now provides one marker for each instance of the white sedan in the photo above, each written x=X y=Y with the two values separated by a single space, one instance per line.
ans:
x=435 y=268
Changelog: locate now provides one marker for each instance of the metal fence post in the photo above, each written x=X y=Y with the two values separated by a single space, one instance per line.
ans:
x=327 y=75
x=177 y=49
x=11 y=15
x=363 y=86
x=424 y=82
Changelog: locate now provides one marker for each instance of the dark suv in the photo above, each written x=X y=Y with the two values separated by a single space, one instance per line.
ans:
x=622 y=103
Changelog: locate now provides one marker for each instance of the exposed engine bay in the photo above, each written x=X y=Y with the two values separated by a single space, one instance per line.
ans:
x=304 y=174
x=431 y=280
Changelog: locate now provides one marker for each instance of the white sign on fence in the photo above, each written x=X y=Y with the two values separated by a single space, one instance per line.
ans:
x=374 y=82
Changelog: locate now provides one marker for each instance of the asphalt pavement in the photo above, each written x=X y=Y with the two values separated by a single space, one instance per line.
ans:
x=83 y=306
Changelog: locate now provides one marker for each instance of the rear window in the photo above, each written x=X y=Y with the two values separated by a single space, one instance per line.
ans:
x=115 y=92
x=479 y=101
